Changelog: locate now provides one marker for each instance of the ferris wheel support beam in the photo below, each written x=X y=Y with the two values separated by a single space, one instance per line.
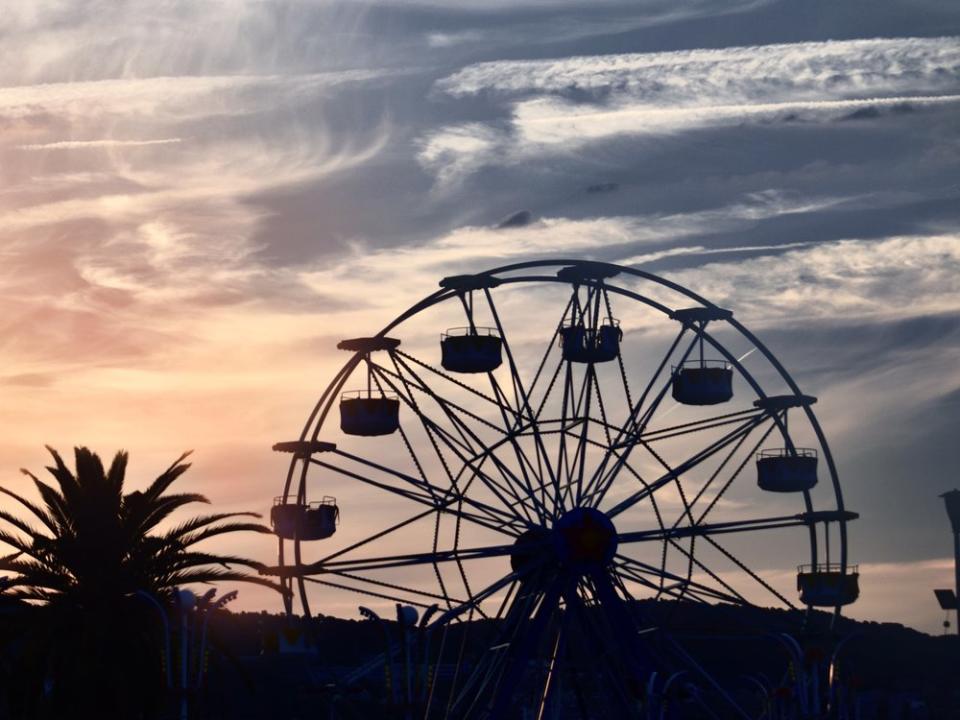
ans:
x=441 y=498
x=434 y=431
x=598 y=632
x=772 y=523
x=636 y=566
x=494 y=520
x=508 y=476
x=395 y=561
x=522 y=397
x=733 y=476
x=674 y=431
x=520 y=652
x=521 y=457
x=687 y=465
x=633 y=427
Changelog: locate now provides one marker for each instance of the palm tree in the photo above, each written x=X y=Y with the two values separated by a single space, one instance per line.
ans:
x=81 y=565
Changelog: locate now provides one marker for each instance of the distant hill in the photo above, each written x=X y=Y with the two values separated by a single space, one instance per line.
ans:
x=899 y=672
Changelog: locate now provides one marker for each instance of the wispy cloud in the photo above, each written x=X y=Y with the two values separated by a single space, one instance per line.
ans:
x=83 y=144
x=707 y=76
x=549 y=122
x=863 y=279
x=555 y=106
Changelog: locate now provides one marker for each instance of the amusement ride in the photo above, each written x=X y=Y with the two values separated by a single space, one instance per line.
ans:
x=543 y=453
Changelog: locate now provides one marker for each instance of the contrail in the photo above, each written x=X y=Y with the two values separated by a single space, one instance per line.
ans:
x=743 y=357
x=72 y=144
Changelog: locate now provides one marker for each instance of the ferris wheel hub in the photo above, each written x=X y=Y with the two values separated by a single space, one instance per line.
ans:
x=585 y=537
x=581 y=539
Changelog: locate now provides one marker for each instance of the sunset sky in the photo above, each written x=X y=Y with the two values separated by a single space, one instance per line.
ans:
x=199 y=198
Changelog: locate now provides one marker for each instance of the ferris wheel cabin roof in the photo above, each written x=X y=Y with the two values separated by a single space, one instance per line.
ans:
x=587 y=271
x=465 y=283
x=369 y=344
x=774 y=403
x=825 y=516
x=701 y=314
x=304 y=448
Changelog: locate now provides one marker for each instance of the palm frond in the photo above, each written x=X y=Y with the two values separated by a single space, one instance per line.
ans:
x=163 y=507
x=212 y=575
x=7 y=559
x=69 y=487
x=168 y=476
x=18 y=544
x=37 y=511
x=188 y=559
x=196 y=523
x=205 y=534
x=55 y=503
x=38 y=575
x=20 y=524
x=118 y=471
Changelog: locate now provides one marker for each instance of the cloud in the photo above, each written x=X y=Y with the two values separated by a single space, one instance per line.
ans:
x=83 y=144
x=884 y=279
x=711 y=76
x=547 y=122
x=556 y=106
x=521 y=218
x=360 y=273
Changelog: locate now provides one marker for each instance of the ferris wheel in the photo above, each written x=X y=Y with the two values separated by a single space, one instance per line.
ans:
x=537 y=451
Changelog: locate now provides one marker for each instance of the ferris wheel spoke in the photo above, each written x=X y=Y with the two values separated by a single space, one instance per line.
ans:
x=574 y=413
x=733 y=476
x=380 y=534
x=604 y=424
x=459 y=447
x=446 y=376
x=697 y=458
x=368 y=592
x=367 y=564
x=405 y=392
x=527 y=469
x=546 y=356
x=521 y=394
x=583 y=407
x=693 y=561
x=736 y=561
x=625 y=562
x=492 y=518
x=365 y=580
x=722 y=528
x=472 y=441
x=478 y=597
x=441 y=498
x=634 y=426
x=695 y=426
x=635 y=421
x=678 y=590
x=702 y=672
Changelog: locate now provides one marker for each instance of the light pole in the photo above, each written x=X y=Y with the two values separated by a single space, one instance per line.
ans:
x=952 y=501
x=167 y=660
x=186 y=601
